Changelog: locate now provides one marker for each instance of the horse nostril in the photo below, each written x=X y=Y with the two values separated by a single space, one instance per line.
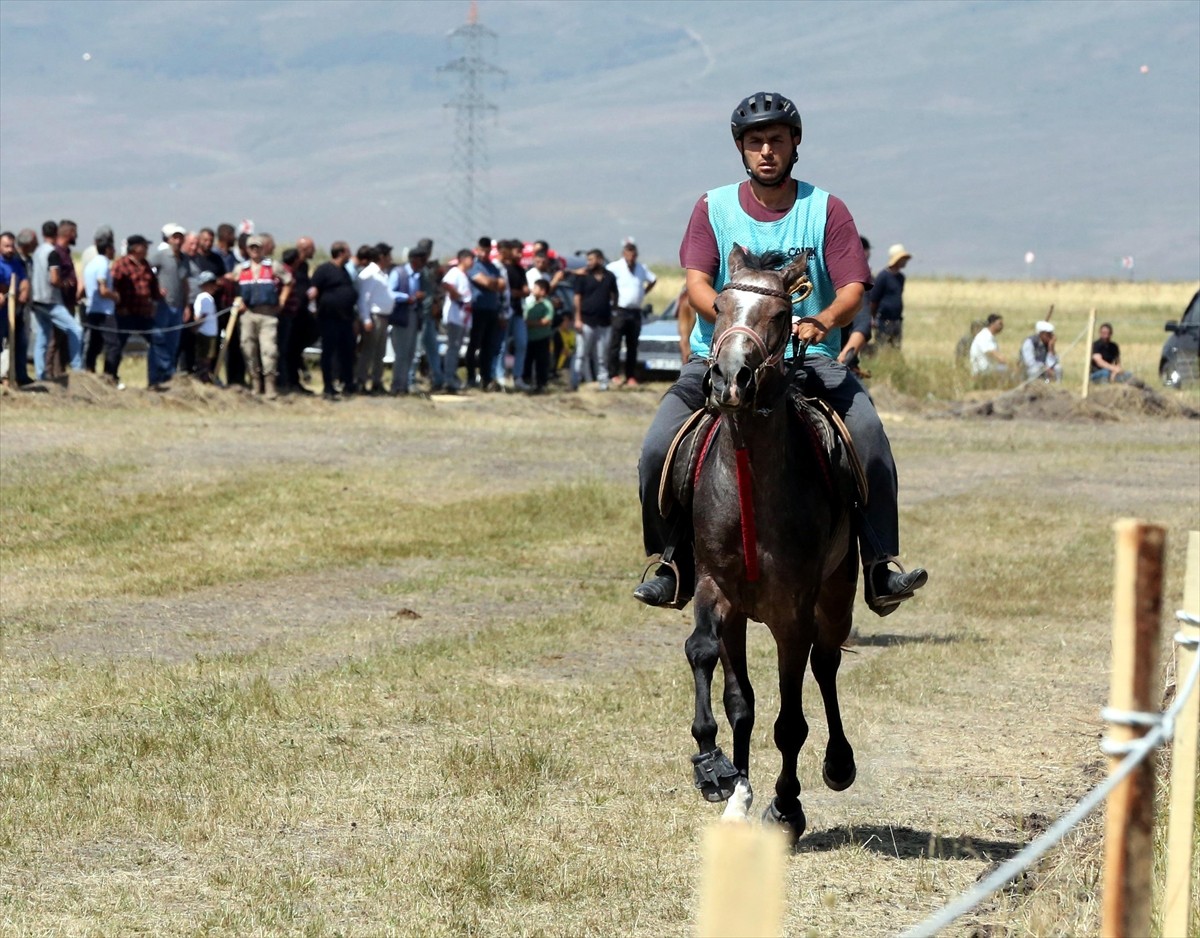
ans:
x=744 y=377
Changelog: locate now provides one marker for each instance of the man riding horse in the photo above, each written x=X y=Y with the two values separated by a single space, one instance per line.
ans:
x=772 y=212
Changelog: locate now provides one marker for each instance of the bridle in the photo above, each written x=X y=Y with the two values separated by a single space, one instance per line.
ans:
x=770 y=359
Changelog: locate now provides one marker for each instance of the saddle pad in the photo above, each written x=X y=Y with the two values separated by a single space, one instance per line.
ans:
x=833 y=422
x=687 y=440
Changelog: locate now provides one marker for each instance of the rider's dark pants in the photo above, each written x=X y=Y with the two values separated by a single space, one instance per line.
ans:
x=879 y=529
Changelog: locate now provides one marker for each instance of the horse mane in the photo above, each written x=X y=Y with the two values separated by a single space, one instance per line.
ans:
x=769 y=260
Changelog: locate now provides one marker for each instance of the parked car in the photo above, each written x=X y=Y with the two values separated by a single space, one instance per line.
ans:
x=312 y=354
x=1180 y=362
x=658 y=345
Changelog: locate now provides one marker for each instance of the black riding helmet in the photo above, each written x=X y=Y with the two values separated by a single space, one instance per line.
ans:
x=761 y=109
x=765 y=108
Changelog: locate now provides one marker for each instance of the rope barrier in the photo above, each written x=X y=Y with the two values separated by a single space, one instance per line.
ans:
x=150 y=329
x=1163 y=729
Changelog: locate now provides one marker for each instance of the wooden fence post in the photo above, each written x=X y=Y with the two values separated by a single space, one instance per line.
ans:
x=1177 y=894
x=1129 y=816
x=1087 y=348
x=742 y=884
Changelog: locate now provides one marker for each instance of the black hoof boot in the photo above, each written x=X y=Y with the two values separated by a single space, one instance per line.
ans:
x=793 y=824
x=839 y=777
x=715 y=775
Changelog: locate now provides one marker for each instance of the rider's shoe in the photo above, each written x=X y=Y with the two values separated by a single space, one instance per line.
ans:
x=888 y=588
x=659 y=590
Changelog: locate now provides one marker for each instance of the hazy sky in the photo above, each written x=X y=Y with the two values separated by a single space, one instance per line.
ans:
x=971 y=131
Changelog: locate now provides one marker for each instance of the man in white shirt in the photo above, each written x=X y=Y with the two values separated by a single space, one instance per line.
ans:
x=985 y=351
x=375 y=302
x=634 y=281
x=456 y=315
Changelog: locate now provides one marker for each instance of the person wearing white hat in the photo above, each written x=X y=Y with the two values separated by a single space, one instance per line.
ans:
x=1038 y=355
x=887 y=298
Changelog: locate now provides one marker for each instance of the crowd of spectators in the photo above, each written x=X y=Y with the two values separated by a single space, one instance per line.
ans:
x=217 y=305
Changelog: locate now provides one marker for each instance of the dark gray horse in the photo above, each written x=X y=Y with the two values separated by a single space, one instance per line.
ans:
x=782 y=552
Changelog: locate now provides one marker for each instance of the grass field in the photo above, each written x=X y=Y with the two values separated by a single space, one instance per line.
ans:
x=373 y=668
x=938 y=312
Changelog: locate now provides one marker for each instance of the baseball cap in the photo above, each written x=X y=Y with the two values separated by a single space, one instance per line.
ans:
x=206 y=277
x=254 y=241
x=173 y=229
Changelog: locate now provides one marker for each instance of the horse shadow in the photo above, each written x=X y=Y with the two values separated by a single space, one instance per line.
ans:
x=905 y=843
x=891 y=639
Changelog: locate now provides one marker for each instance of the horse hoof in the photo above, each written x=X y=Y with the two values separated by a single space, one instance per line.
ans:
x=715 y=775
x=793 y=824
x=835 y=783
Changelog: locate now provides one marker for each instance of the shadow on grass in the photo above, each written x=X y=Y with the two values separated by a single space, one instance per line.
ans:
x=890 y=639
x=904 y=843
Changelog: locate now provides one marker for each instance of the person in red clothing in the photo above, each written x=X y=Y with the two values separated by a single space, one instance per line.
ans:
x=138 y=293
x=262 y=291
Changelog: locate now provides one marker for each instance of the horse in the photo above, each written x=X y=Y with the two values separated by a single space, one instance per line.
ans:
x=773 y=496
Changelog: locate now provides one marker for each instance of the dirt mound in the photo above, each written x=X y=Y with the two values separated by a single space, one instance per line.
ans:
x=1054 y=402
x=85 y=388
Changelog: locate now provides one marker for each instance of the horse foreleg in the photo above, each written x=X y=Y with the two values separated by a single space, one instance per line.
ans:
x=739 y=709
x=791 y=729
x=715 y=775
x=834 y=619
x=838 y=770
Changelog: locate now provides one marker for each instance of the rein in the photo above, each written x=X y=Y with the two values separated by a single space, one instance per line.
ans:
x=745 y=478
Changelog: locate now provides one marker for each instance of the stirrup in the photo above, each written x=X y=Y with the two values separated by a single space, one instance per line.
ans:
x=673 y=567
x=882 y=605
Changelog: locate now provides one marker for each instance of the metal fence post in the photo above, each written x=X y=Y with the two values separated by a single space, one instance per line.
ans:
x=1129 y=816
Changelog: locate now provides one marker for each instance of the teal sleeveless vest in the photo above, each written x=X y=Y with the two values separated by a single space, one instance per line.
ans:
x=803 y=228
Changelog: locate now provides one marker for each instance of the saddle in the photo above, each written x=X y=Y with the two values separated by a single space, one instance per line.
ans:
x=812 y=420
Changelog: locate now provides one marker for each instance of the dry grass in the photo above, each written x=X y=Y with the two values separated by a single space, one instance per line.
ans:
x=294 y=669
x=939 y=312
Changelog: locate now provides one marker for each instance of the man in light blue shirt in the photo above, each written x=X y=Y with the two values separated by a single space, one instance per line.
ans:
x=405 y=282
x=101 y=300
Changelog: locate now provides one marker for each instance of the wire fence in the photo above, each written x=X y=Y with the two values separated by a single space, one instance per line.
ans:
x=1161 y=730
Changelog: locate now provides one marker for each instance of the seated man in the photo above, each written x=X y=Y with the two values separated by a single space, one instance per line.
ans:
x=985 y=351
x=771 y=211
x=1038 y=356
x=1106 y=358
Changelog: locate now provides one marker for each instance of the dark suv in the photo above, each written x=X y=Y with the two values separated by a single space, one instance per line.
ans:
x=1181 y=352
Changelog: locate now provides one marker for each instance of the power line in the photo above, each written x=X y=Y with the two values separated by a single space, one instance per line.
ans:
x=469 y=198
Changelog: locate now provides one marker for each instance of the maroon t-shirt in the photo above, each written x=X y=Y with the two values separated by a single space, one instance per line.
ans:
x=844 y=256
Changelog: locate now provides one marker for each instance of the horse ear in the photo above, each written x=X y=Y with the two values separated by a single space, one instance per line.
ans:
x=737 y=259
x=795 y=274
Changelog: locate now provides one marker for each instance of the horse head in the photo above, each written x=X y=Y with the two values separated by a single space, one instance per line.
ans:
x=753 y=326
